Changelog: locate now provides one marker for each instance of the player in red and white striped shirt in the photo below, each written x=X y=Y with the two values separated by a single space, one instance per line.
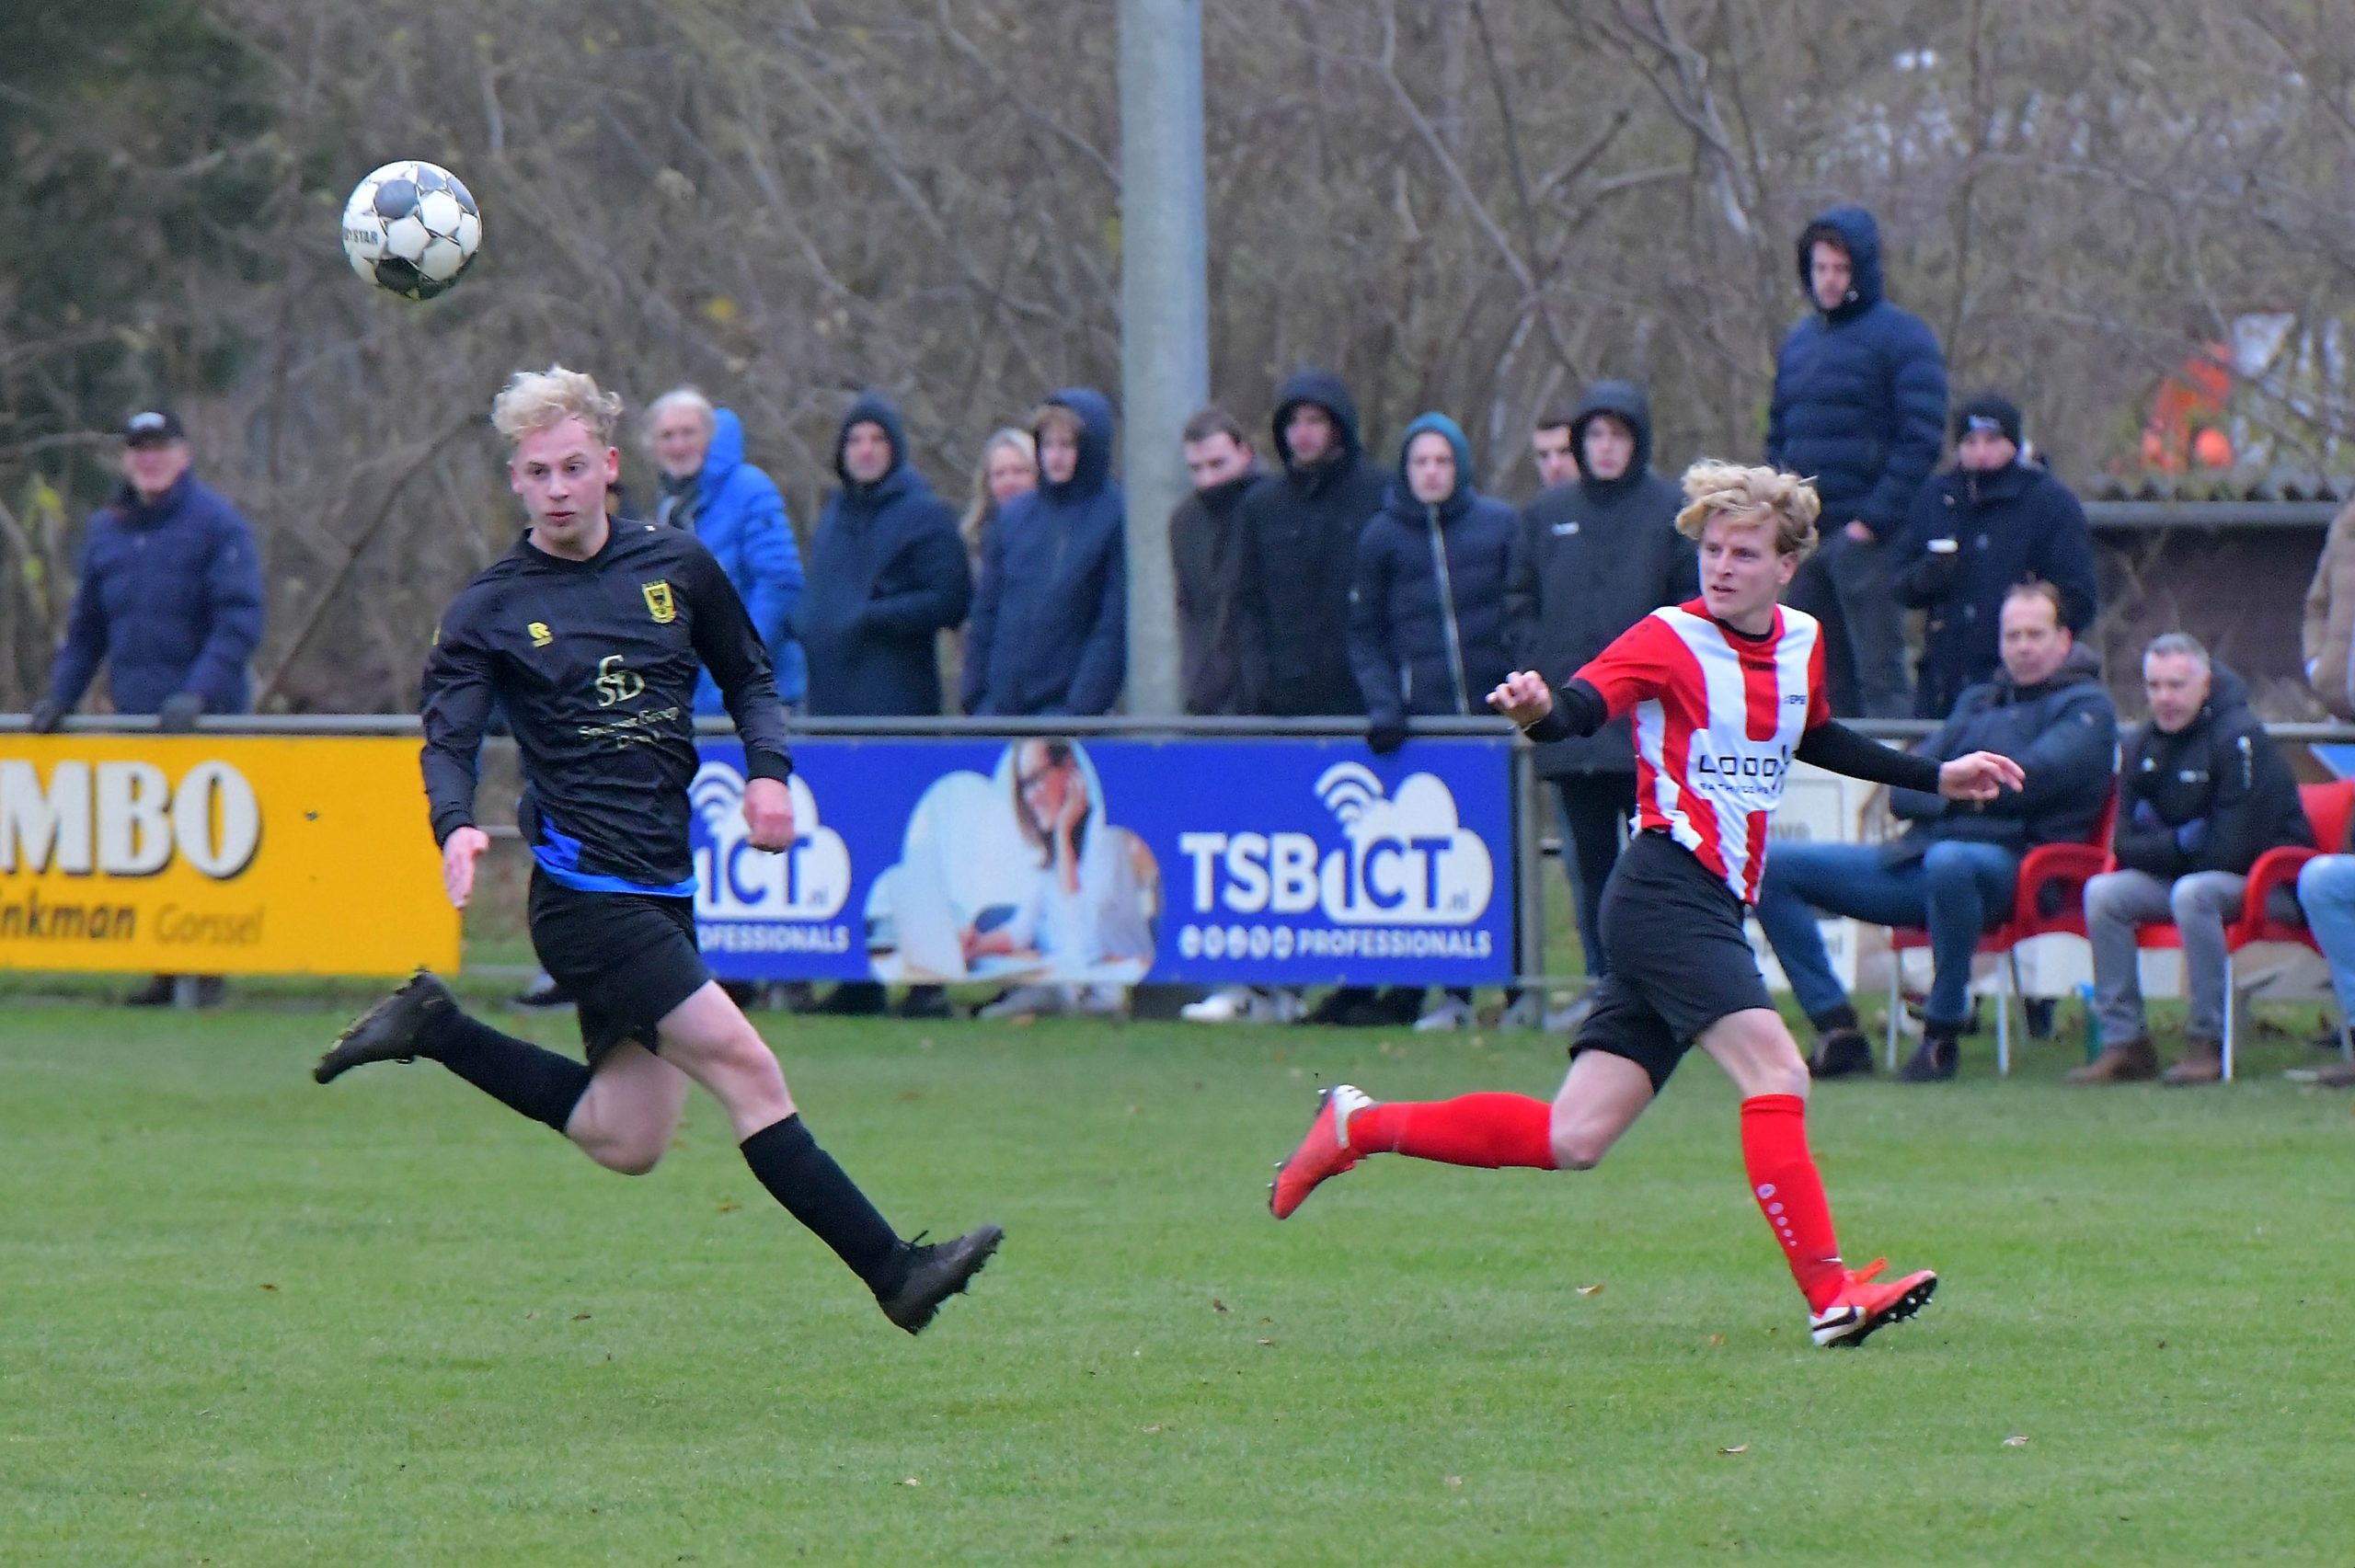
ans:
x=1727 y=692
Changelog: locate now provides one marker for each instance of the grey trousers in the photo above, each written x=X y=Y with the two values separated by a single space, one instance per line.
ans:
x=2201 y=905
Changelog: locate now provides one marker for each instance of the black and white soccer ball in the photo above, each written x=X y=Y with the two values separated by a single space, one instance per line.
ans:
x=411 y=228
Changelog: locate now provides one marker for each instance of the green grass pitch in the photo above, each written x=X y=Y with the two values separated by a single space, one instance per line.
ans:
x=247 y=1320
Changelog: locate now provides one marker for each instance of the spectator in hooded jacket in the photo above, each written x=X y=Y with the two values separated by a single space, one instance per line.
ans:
x=1427 y=611
x=1859 y=406
x=737 y=510
x=1594 y=553
x=1049 y=632
x=168 y=598
x=1220 y=462
x=2329 y=628
x=1954 y=870
x=1996 y=521
x=2203 y=793
x=1296 y=538
x=886 y=576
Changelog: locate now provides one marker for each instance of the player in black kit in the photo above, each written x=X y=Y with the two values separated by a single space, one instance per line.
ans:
x=589 y=634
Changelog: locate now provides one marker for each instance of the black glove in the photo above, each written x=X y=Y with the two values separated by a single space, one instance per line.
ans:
x=1383 y=738
x=180 y=713
x=45 y=717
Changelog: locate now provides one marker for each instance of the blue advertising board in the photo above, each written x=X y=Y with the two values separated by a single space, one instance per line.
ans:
x=1111 y=861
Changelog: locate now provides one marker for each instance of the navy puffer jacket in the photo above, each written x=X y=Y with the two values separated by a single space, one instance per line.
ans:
x=1049 y=632
x=169 y=599
x=1427 y=606
x=1860 y=394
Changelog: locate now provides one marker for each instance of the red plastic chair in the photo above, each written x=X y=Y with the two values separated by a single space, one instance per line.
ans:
x=2329 y=807
x=2064 y=869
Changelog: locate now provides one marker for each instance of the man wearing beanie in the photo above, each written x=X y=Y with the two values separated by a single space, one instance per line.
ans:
x=1997 y=517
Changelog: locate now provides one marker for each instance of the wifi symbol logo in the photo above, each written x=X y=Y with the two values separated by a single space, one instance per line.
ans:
x=1347 y=789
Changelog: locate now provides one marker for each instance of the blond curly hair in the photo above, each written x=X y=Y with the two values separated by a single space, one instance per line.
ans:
x=537 y=400
x=1714 y=489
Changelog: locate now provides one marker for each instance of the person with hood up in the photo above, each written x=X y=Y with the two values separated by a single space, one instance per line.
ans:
x=1426 y=609
x=1997 y=519
x=2203 y=793
x=1859 y=407
x=1954 y=870
x=1592 y=556
x=1050 y=633
x=1296 y=539
x=737 y=510
x=886 y=576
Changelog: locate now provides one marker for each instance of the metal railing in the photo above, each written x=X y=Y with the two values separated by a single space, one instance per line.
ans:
x=1531 y=846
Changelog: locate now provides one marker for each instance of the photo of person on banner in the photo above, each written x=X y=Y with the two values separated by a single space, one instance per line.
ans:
x=1020 y=877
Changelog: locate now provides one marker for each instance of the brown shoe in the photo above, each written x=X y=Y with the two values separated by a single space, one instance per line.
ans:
x=2128 y=1062
x=2203 y=1062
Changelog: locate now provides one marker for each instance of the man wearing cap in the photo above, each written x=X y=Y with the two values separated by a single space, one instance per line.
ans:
x=169 y=599
x=1996 y=518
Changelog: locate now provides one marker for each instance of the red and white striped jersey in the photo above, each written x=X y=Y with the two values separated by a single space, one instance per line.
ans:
x=1718 y=717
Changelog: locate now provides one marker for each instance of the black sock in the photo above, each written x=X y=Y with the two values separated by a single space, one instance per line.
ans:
x=813 y=1189
x=1840 y=1017
x=518 y=1074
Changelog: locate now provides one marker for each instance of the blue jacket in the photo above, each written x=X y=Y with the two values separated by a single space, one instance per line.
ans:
x=1051 y=624
x=740 y=519
x=886 y=576
x=2016 y=522
x=2062 y=733
x=1427 y=607
x=169 y=599
x=1860 y=394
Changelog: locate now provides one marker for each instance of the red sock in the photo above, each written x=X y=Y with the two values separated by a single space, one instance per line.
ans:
x=1488 y=1130
x=1784 y=1181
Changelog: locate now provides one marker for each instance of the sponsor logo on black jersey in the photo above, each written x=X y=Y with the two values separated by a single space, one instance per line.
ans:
x=616 y=682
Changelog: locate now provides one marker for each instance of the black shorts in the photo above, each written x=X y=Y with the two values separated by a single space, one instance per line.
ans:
x=1680 y=960
x=626 y=958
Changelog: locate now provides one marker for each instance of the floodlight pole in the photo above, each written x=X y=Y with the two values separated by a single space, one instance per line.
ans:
x=1165 y=315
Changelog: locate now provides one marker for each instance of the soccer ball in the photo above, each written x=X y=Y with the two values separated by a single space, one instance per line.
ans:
x=411 y=228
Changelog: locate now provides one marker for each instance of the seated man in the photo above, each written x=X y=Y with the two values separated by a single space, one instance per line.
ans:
x=1954 y=868
x=2202 y=795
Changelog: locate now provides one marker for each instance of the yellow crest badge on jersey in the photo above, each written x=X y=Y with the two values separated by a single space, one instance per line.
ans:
x=540 y=636
x=658 y=602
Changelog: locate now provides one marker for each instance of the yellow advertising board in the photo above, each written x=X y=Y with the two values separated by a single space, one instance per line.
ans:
x=206 y=854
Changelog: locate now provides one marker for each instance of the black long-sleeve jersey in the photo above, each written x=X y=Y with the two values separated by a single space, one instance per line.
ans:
x=594 y=662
